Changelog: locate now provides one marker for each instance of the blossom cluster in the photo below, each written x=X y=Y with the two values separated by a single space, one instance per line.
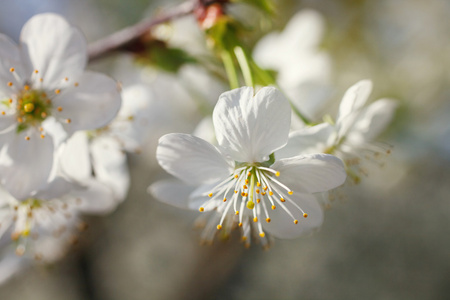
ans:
x=260 y=165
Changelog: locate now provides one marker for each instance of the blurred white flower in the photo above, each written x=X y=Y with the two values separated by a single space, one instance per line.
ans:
x=303 y=68
x=46 y=96
x=241 y=177
x=351 y=137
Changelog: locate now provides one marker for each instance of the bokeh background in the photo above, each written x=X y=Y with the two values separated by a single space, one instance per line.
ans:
x=387 y=238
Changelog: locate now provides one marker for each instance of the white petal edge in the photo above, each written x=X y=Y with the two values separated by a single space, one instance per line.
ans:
x=56 y=49
x=250 y=127
x=308 y=140
x=354 y=99
x=371 y=122
x=110 y=165
x=173 y=192
x=92 y=104
x=191 y=159
x=25 y=165
x=311 y=173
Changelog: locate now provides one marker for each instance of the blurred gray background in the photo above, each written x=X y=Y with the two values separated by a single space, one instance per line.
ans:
x=388 y=238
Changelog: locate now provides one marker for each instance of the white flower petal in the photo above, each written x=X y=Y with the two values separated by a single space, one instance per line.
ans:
x=75 y=161
x=282 y=225
x=90 y=105
x=371 y=122
x=110 y=165
x=311 y=173
x=191 y=159
x=26 y=164
x=96 y=198
x=308 y=140
x=354 y=99
x=10 y=265
x=7 y=122
x=249 y=128
x=10 y=58
x=173 y=192
x=54 y=48
x=56 y=188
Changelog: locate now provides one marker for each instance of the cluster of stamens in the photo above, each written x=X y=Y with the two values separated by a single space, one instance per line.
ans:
x=255 y=188
x=32 y=104
x=33 y=217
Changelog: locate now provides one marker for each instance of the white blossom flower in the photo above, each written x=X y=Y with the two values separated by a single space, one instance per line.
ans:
x=45 y=96
x=303 y=69
x=351 y=137
x=241 y=177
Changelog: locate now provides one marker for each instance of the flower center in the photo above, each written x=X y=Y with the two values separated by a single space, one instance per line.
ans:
x=32 y=107
x=255 y=190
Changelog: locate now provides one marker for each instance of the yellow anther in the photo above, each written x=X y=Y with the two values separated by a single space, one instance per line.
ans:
x=240 y=224
x=243 y=194
x=295 y=221
x=36 y=71
x=76 y=84
x=68 y=121
x=265 y=188
x=244 y=238
x=10 y=83
x=224 y=199
x=10 y=100
x=246 y=181
x=210 y=195
x=219 y=227
x=273 y=207
x=57 y=91
x=29 y=107
x=3 y=113
x=277 y=174
x=41 y=129
x=26 y=232
x=44 y=115
x=282 y=200
x=262 y=234
x=290 y=192
x=258 y=200
x=66 y=78
x=26 y=87
x=268 y=220
x=250 y=204
x=246 y=194
x=201 y=209
x=41 y=79
x=235 y=192
x=248 y=174
x=263 y=193
x=42 y=136
x=12 y=70
x=245 y=187
x=59 y=108
x=19 y=119
x=258 y=184
x=27 y=138
x=257 y=191
x=305 y=215
x=270 y=193
x=255 y=219
x=236 y=176
x=236 y=213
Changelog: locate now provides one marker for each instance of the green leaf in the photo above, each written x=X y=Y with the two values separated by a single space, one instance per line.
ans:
x=159 y=55
x=266 y=6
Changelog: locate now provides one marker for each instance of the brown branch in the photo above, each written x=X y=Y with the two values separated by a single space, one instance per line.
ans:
x=130 y=34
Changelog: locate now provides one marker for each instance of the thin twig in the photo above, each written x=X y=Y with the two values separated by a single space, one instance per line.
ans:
x=127 y=35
